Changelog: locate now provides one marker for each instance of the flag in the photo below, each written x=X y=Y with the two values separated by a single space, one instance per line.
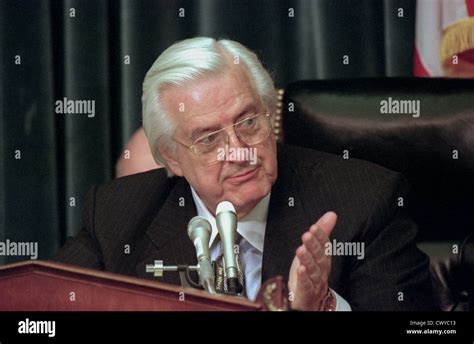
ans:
x=444 y=38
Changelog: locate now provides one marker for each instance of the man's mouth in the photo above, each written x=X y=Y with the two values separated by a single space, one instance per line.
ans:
x=243 y=177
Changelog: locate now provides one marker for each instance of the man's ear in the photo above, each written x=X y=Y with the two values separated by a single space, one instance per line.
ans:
x=173 y=164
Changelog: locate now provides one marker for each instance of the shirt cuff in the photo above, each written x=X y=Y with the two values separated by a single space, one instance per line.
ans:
x=341 y=304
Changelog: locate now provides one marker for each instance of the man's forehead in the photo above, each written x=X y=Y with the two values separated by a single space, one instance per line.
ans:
x=236 y=103
x=205 y=97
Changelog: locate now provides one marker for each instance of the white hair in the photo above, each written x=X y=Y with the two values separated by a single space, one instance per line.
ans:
x=189 y=60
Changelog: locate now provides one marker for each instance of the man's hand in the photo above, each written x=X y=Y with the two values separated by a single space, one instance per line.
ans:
x=311 y=267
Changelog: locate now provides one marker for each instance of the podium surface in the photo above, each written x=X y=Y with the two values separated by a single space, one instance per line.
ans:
x=52 y=286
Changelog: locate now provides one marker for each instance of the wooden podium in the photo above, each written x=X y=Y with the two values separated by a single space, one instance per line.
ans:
x=51 y=286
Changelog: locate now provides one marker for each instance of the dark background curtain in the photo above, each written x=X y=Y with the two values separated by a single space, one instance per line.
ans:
x=83 y=57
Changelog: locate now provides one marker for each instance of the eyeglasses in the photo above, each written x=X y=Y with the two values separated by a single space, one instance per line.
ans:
x=251 y=130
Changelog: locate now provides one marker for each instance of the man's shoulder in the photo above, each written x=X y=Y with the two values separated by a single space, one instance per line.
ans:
x=156 y=176
x=123 y=206
x=356 y=190
x=339 y=183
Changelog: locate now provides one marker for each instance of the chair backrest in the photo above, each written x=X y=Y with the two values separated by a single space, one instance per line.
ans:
x=423 y=128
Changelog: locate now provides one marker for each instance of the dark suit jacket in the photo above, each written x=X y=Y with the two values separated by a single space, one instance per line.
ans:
x=149 y=212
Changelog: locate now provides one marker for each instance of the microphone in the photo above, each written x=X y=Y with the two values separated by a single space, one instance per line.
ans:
x=199 y=231
x=226 y=220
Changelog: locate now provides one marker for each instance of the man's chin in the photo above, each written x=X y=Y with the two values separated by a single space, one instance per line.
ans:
x=246 y=197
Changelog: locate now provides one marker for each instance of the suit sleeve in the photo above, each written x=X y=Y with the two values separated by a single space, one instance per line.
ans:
x=83 y=249
x=394 y=274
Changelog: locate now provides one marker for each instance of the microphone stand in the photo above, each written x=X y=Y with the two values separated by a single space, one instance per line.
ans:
x=157 y=269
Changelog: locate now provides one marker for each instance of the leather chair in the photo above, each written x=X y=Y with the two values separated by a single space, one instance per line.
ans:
x=433 y=146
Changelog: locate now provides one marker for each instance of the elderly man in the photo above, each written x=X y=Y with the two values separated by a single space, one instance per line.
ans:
x=206 y=101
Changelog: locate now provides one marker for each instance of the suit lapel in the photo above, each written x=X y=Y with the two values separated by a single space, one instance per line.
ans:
x=168 y=234
x=286 y=222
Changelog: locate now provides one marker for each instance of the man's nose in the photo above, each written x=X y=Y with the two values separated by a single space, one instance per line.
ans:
x=233 y=142
x=232 y=139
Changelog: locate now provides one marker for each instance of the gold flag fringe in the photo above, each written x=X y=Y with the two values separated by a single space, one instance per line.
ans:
x=457 y=38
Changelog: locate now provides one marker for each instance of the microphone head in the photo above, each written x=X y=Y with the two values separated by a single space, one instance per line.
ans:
x=226 y=221
x=199 y=231
x=225 y=206
x=198 y=222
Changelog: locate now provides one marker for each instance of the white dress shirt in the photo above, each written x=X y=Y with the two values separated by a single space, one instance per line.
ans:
x=252 y=231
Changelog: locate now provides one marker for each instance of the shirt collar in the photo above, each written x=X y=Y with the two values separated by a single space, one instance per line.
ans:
x=251 y=227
